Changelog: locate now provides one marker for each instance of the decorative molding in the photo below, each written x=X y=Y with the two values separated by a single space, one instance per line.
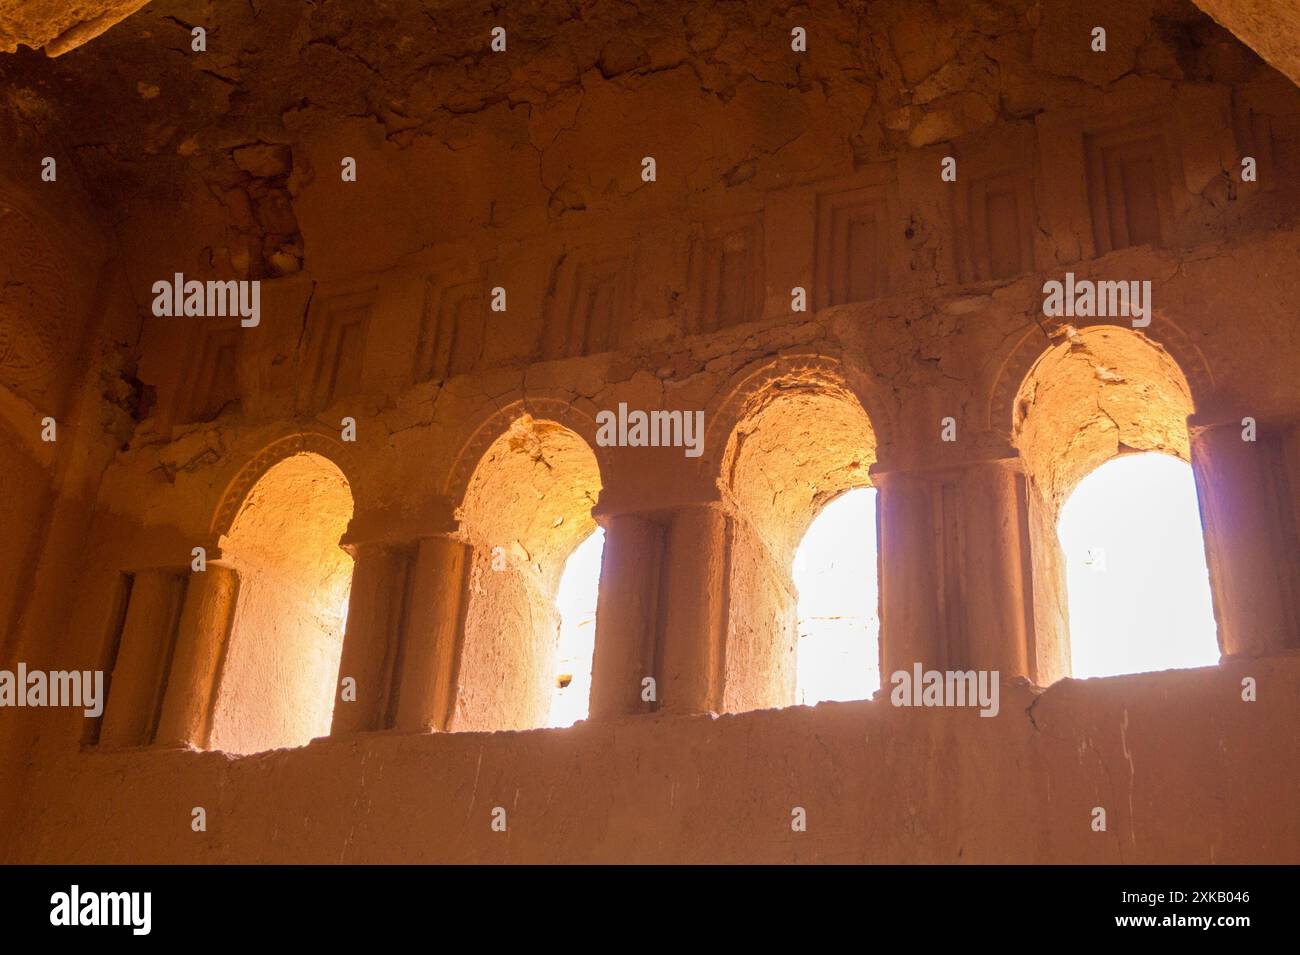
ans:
x=727 y=266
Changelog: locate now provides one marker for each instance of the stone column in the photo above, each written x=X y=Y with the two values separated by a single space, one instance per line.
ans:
x=432 y=639
x=370 y=642
x=1249 y=519
x=695 y=579
x=628 y=615
x=135 y=689
x=662 y=611
x=910 y=574
x=955 y=569
x=997 y=569
x=206 y=619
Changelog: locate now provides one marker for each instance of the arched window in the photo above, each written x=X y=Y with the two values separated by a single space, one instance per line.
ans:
x=1119 y=557
x=838 y=610
x=526 y=511
x=1139 y=590
x=799 y=446
x=278 y=677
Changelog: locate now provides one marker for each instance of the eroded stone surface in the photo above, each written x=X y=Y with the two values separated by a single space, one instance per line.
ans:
x=1271 y=29
x=57 y=25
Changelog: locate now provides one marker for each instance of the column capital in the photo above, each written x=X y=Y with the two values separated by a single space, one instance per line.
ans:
x=164 y=547
x=1005 y=458
x=654 y=479
x=655 y=510
x=429 y=517
x=1213 y=419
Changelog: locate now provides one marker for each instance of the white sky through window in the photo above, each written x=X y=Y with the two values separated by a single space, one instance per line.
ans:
x=576 y=601
x=1138 y=587
x=839 y=626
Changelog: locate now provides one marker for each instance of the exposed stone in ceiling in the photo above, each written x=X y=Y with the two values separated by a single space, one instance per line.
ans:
x=234 y=136
x=1269 y=27
x=58 y=26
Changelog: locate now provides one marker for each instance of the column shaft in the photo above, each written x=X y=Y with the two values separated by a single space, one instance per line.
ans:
x=627 y=616
x=431 y=642
x=695 y=578
x=135 y=690
x=997 y=570
x=908 y=556
x=1249 y=519
x=370 y=641
x=206 y=618
x=955 y=570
